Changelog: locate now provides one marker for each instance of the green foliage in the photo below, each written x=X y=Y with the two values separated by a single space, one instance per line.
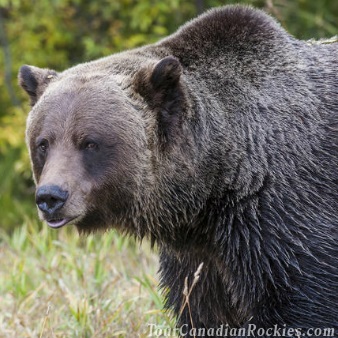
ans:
x=55 y=284
x=60 y=33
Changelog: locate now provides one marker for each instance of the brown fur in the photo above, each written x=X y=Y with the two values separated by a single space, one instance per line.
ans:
x=219 y=144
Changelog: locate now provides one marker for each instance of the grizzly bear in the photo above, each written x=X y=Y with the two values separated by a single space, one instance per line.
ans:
x=219 y=143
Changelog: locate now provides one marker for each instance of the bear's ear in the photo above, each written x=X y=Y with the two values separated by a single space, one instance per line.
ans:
x=157 y=83
x=166 y=73
x=35 y=80
x=161 y=88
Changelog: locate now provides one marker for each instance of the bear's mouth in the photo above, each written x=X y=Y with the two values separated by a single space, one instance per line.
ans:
x=58 y=222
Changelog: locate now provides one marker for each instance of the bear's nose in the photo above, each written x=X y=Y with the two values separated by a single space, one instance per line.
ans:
x=50 y=198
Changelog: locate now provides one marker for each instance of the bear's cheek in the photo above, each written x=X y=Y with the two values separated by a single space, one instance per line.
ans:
x=98 y=165
x=105 y=181
x=112 y=190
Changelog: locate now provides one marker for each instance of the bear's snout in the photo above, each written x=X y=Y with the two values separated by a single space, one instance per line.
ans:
x=50 y=199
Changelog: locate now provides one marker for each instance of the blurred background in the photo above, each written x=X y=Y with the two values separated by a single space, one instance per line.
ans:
x=60 y=33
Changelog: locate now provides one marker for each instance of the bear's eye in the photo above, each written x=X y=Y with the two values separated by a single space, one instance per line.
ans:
x=43 y=146
x=91 y=145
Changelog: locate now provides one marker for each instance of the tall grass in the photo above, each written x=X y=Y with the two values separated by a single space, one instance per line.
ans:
x=57 y=284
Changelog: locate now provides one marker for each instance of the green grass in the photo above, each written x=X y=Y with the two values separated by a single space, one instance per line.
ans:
x=57 y=284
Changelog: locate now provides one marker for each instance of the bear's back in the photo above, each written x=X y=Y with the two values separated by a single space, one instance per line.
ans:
x=229 y=30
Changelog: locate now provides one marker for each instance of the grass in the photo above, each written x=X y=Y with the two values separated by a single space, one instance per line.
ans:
x=57 y=284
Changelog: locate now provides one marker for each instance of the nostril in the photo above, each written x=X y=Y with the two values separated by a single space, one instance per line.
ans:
x=50 y=198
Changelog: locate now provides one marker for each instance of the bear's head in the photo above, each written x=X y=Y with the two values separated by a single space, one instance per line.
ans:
x=98 y=143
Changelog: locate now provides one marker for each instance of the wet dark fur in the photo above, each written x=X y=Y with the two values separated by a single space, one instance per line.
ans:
x=238 y=169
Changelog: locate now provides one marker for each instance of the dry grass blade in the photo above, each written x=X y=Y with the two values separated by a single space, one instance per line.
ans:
x=187 y=292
